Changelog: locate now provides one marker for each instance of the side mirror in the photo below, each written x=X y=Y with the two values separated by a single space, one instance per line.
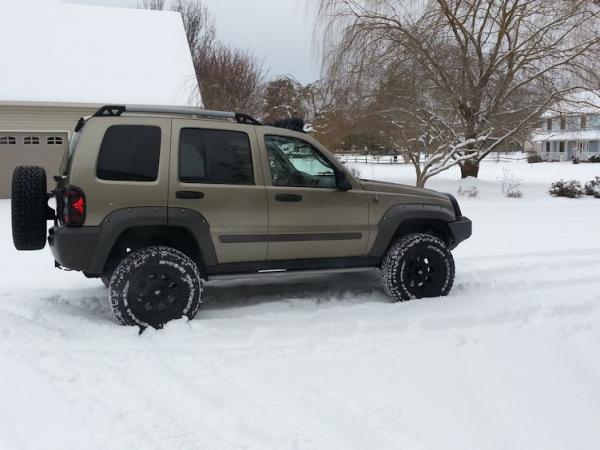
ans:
x=341 y=179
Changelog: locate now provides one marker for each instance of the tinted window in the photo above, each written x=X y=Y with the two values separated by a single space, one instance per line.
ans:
x=129 y=153
x=215 y=157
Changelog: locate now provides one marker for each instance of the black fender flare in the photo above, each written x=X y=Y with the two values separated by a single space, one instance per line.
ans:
x=397 y=214
x=199 y=227
x=121 y=220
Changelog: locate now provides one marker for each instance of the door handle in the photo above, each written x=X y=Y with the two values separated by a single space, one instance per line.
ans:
x=288 y=198
x=189 y=194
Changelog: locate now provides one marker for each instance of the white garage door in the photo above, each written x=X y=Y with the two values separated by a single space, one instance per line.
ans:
x=24 y=148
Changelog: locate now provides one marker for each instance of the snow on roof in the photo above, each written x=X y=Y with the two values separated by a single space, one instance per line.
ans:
x=585 y=135
x=583 y=102
x=60 y=52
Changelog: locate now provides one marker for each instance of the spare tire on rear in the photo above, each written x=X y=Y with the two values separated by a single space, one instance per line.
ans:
x=29 y=203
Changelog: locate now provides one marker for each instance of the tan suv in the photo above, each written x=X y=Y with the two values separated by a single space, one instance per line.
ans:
x=155 y=200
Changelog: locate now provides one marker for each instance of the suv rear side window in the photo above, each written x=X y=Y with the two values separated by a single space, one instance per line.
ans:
x=129 y=153
x=215 y=157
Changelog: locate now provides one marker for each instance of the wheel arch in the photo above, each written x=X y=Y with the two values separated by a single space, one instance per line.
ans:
x=138 y=237
x=401 y=220
x=130 y=229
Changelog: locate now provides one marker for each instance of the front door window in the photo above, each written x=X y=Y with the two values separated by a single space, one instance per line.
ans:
x=297 y=163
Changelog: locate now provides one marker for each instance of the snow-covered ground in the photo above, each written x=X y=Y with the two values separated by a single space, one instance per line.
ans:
x=508 y=361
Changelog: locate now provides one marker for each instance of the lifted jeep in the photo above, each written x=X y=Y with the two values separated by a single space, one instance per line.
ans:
x=154 y=200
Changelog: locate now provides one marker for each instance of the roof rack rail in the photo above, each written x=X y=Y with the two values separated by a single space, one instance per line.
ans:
x=118 y=110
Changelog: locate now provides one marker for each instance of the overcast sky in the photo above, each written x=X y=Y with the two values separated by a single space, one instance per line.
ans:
x=278 y=31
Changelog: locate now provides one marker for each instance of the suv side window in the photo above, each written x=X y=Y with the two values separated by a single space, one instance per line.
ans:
x=129 y=153
x=297 y=163
x=215 y=157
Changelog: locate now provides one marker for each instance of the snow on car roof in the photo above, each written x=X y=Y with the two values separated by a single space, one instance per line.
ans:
x=61 y=52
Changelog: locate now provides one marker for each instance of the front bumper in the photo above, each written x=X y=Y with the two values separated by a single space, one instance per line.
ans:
x=461 y=229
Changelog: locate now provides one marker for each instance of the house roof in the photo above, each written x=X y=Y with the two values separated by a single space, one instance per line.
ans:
x=67 y=53
x=579 y=103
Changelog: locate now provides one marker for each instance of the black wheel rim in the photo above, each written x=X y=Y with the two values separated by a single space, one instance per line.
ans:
x=157 y=295
x=424 y=273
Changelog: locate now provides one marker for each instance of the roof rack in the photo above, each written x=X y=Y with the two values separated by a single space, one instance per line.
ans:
x=118 y=110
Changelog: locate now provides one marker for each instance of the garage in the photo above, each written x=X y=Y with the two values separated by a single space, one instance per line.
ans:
x=30 y=147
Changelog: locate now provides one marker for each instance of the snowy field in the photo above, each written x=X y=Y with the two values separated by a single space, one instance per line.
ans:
x=508 y=361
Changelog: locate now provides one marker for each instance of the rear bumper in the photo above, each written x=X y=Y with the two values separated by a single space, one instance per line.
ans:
x=461 y=229
x=73 y=248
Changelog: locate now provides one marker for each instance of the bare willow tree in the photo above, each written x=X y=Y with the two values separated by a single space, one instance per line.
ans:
x=483 y=70
x=322 y=103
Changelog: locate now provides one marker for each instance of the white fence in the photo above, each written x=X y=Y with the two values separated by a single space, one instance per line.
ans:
x=397 y=159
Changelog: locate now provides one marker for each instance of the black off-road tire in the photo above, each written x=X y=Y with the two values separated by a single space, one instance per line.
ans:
x=416 y=266
x=29 y=208
x=153 y=286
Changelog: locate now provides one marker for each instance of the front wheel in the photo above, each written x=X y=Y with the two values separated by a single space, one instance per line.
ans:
x=153 y=286
x=416 y=266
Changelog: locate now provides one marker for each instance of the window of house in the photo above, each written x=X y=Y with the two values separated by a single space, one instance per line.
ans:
x=594 y=121
x=573 y=123
x=561 y=147
x=8 y=140
x=129 y=153
x=54 y=140
x=593 y=147
x=547 y=147
x=583 y=122
x=31 y=140
x=215 y=157
x=549 y=124
x=297 y=163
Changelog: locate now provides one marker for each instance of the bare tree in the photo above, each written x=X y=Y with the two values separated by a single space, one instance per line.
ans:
x=151 y=4
x=485 y=69
x=230 y=80
x=283 y=98
x=199 y=25
x=198 y=22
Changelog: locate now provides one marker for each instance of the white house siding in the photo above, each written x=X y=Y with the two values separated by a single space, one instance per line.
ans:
x=42 y=117
x=582 y=149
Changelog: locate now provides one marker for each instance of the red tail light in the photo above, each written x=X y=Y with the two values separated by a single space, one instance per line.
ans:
x=73 y=207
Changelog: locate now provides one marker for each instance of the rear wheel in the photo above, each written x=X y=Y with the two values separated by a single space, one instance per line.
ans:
x=29 y=208
x=417 y=266
x=153 y=286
